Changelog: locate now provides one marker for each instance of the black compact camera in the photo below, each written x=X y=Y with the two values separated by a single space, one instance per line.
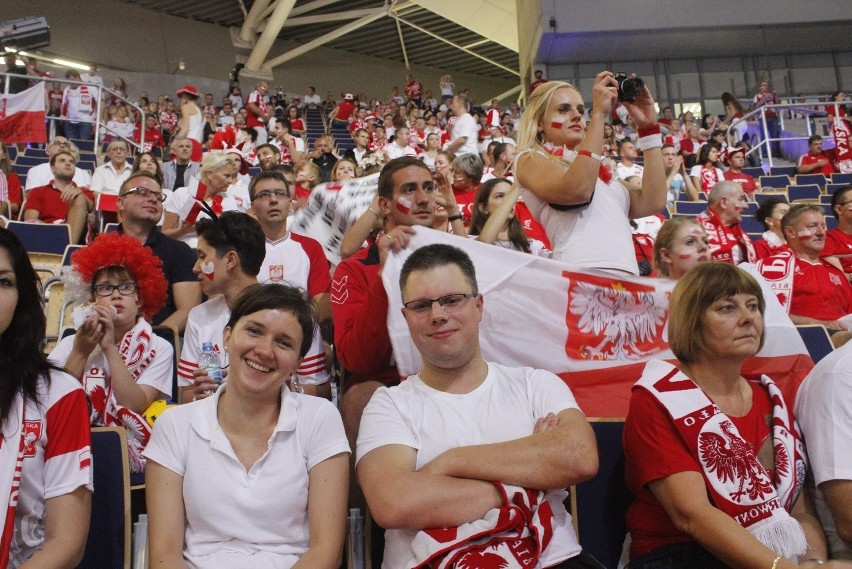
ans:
x=628 y=87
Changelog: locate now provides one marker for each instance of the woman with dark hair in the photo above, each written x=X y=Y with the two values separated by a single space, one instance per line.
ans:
x=716 y=484
x=769 y=214
x=734 y=112
x=839 y=110
x=706 y=173
x=115 y=354
x=494 y=219
x=297 y=125
x=45 y=455
x=257 y=474
x=148 y=162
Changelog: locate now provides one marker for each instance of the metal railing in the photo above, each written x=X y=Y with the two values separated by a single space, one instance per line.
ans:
x=782 y=110
x=98 y=125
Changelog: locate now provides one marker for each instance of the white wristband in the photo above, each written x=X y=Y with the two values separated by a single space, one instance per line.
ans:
x=649 y=142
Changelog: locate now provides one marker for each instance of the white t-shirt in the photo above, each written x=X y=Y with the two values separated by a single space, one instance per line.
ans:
x=158 y=374
x=394 y=150
x=504 y=407
x=41 y=175
x=206 y=323
x=623 y=171
x=238 y=519
x=107 y=180
x=466 y=127
x=57 y=457
x=181 y=200
x=596 y=236
x=824 y=412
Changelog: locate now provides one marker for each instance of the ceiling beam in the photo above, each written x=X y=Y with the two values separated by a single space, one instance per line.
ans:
x=322 y=40
x=269 y=35
x=462 y=48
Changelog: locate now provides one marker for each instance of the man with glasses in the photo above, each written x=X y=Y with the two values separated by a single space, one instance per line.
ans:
x=140 y=204
x=728 y=242
x=178 y=172
x=452 y=445
x=290 y=257
x=41 y=175
x=108 y=177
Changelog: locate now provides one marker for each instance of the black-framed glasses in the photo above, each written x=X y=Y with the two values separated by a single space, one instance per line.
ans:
x=447 y=302
x=60 y=143
x=106 y=289
x=145 y=193
x=266 y=194
x=844 y=204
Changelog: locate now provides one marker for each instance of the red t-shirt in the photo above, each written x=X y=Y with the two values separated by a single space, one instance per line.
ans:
x=825 y=170
x=13 y=183
x=48 y=202
x=762 y=249
x=536 y=83
x=297 y=125
x=344 y=110
x=252 y=118
x=820 y=291
x=837 y=244
x=465 y=202
x=654 y=449
x=746 y=181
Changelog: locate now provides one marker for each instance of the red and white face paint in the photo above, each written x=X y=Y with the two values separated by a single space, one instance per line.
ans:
x=558 y=122
x=208 y=269
x=403 y=205
x=805 y=234
x=689 y=249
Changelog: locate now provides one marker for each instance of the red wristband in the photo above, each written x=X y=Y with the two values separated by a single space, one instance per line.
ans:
x=648 y=130
x=590 y=154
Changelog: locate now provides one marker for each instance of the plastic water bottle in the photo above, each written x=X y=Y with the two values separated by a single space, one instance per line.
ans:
x=211 y=363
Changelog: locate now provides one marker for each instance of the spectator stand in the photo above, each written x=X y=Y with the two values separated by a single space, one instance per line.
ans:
x=314 y=125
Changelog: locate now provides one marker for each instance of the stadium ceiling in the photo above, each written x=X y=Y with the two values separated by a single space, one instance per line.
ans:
x=465 y=36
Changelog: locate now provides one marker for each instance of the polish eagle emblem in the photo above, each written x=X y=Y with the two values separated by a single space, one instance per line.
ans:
x=482 y=560
x=616 y=323
x=731 y=460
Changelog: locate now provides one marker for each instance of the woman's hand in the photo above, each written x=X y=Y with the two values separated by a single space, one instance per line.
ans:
x=604 y=93
x=642 y=109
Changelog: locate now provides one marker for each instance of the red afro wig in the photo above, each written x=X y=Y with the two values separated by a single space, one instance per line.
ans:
x=116 y=250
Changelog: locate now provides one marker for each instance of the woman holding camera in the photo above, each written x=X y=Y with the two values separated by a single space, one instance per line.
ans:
x=584 y=210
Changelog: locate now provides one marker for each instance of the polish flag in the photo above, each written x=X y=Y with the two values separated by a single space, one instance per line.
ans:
x=594 y=330
x=22 y=116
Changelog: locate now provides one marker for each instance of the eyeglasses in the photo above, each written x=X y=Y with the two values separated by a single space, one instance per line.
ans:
x=107 y=289
x=844 y=204
x=266 y=194
x=60 y=143
x=447 y=302
x=145 y=193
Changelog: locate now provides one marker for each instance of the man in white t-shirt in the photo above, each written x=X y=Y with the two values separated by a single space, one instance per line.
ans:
x=627 y=165
x=465 y=132
x=230 y=250
x=108 y=177
x=312 y=99
x=822 y=410
x=401 y=145
x=430 y=449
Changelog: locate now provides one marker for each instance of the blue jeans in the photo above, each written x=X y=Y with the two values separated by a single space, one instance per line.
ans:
x=78 y=130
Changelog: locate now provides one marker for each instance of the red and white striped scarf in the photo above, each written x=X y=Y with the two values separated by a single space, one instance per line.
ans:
x=11 y=467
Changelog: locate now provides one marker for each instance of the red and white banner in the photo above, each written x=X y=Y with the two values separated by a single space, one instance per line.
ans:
x=22 y=116
x=842 y=132
x=594 y=330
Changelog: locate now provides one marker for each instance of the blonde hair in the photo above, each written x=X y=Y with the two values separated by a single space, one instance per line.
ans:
x=214 y=160
x=666 y=238
x=536 y=106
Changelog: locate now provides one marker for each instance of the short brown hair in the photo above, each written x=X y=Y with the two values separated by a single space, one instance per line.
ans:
x=693 y=294
x=795 y=212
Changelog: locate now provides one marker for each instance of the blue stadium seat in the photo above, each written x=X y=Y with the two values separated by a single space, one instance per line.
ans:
x=42 y=237
x=817 y=341
x=806 y=192
x=784 y=171
x=832 y=187
x=690 y=208
x=754 y=171
x=30 y=160
x=805 y=179
x=831 y=221
x=838 y=178
x=85 y=145
x=751 y=225
x=780 y=181
x=759 y=197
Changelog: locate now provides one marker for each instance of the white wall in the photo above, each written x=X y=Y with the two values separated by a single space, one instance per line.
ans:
x=123 y=37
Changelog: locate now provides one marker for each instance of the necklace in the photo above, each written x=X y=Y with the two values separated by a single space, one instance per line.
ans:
x=723 y=400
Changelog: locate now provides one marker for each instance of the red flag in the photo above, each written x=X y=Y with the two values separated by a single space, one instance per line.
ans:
x=22 y=116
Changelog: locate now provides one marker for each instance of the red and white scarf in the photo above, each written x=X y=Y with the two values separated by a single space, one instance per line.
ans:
x=709 y=177
x=727 y=242
x=736 y=482
x=778 y=271
x=511 y=537
x=563 y=154
x=137 y=352
x=11 y=467
x=191 y=210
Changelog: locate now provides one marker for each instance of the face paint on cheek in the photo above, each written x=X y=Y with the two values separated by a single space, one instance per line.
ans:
x=403 y=205
x=557 y=123
x=684 y=256
x=805 y=234
x=207 y=269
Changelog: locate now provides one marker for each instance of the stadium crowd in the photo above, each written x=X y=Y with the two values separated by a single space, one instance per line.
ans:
x=207 y=192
